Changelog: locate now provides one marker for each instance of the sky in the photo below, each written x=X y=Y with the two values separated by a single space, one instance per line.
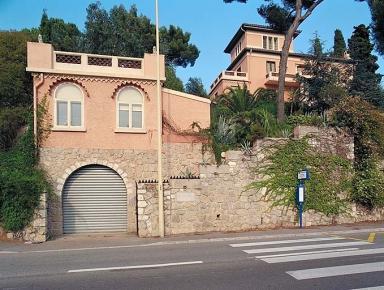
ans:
x=211 y=23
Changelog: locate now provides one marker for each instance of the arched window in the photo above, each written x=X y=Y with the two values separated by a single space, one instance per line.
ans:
x=69 y=106
x=130 y=109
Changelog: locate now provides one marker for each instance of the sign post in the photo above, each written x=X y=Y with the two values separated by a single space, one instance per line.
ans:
x=300 y=193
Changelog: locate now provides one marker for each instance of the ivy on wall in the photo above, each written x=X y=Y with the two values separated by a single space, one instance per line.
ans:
x=330 y=177
x=21 y=181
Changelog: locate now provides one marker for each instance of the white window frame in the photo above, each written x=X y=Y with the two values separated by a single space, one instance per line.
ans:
x=270 y=42
x=267 y=66
x=68 y=100
x=276 y=43
x=130 y=129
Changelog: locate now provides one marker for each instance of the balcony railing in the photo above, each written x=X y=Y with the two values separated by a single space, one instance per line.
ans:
x=272 y=78
x=92 y=62
x=230 y=75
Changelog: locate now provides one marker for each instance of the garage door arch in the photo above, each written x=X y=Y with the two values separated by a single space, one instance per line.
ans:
x=94 y=199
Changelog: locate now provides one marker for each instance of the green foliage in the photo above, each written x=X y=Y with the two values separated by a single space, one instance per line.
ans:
x=366 y=124
x=368 y=186
x=126 y=33
x=244 y=117
x=280 y=16
x=63 y=36
x=21 y=182
x=339 y=46
x=330 y=176
x=11 y=120
x=195 y=87
x=176 y=47
x=377 y=24
x=324 y=84
x=15 y=82
x=365 y=82
x=377 y=10
x=172 y=81
x=306 y=120
x=19 y=196
x=316 y=46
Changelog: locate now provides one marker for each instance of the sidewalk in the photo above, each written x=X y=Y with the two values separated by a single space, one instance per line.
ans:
x=113 y=240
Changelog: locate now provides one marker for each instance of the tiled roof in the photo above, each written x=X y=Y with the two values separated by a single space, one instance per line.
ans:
x=252 y=27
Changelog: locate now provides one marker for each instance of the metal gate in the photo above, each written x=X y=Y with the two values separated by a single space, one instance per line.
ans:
x=94 y=200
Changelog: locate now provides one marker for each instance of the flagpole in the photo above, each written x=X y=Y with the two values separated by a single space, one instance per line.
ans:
x=159 y=129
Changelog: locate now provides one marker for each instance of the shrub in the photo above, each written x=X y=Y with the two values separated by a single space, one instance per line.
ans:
x=306 y=120
x=366 y=123
x=11 y=120
x=20 y=192
x=21 y=183
x=368 y=187
x=330 y=176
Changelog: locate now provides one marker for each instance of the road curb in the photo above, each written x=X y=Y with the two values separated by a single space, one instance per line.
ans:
x=267 y=236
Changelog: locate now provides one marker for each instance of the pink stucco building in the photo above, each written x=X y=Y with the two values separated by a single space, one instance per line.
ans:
x=255 y=55
x=101 y=111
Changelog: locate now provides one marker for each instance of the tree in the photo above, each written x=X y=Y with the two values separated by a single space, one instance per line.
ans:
x=323 y=84
x=339 y=46
x=15 y=82
x=317 y=46
x=377 y=12
x=285 y=18
x=172 y=81
x=63 y=36
x=126 y=33
x=195 y=86
x=377 y=9
x=366 y=82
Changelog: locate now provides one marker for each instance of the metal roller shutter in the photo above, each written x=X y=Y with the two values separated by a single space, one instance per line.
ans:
x=94 y=200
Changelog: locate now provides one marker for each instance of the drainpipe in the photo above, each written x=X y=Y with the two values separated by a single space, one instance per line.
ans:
x=35 y=88
x=159 y=129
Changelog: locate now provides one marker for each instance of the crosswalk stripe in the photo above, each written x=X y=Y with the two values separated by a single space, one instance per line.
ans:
x=305 y=247
x=336 y=271
x=371 y=288
x=323 y=256
x=306 y=253
x=284 y=242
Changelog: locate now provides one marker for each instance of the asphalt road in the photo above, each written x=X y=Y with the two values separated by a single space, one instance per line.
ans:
x=285 y=261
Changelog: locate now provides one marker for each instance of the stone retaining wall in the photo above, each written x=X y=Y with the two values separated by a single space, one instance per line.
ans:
x=131 y=165
x=219 y=201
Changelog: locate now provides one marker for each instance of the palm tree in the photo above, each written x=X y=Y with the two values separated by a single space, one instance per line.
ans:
x=238 y=100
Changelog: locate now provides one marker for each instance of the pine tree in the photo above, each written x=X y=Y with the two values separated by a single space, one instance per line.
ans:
x=195 y=86
x=339 y=46
x=366 y=82
x=317 y=46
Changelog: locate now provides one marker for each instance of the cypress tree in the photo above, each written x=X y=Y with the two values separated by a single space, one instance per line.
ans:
x=366 y=82
x=339 y=46
x=316 y=46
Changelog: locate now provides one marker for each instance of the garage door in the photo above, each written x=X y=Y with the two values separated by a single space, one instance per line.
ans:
x=94 y=200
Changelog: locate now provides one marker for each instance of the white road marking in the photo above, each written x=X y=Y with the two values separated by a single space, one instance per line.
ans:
x=323 y=256
x=136 y=267
x=371 y=288
x=7 y=252
x=305 y=247
x=306 y=253
x=86 y=249
x=337 y=271
x=284 y=242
